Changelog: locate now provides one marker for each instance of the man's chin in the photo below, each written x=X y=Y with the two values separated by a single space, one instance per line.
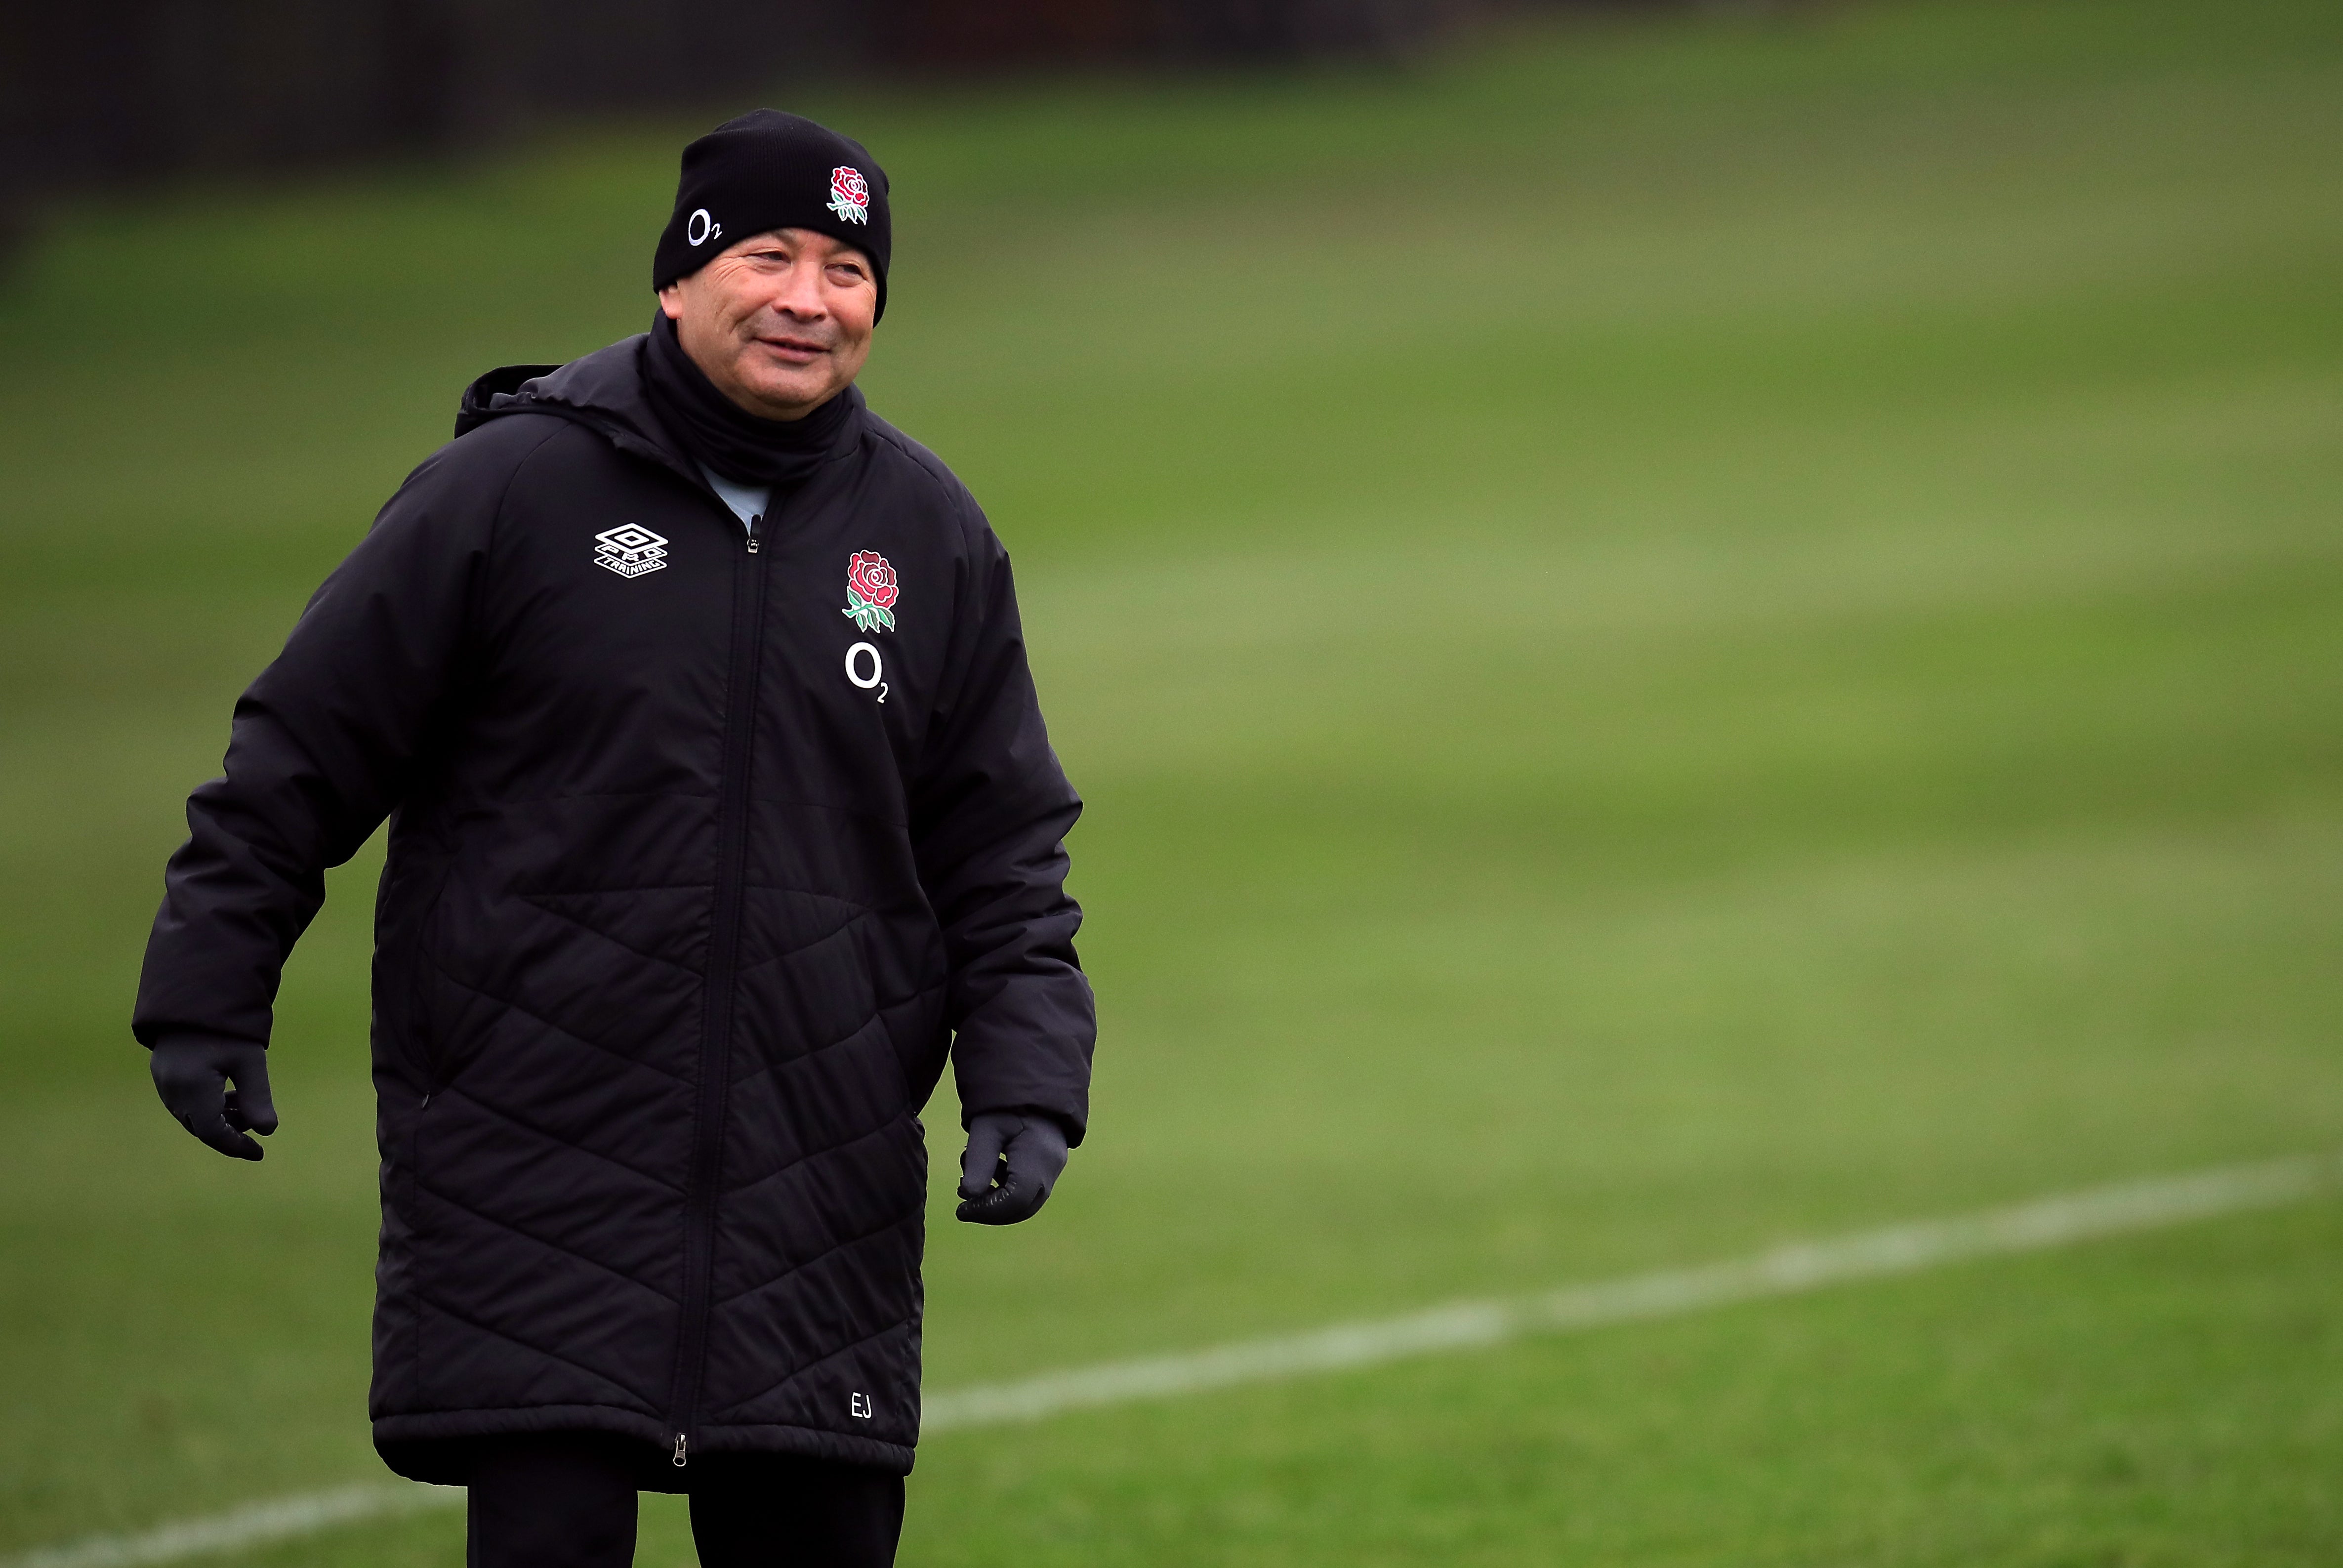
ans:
x=789 y=397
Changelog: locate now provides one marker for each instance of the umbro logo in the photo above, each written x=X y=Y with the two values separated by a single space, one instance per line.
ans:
x=629 y=550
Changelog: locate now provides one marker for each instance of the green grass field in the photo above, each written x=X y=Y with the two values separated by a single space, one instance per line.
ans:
x=1677 y=636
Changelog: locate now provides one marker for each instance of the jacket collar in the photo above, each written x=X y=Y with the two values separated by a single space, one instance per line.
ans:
x=604 y=391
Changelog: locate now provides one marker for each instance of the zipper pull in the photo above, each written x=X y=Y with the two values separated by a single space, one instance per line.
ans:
x=679 y=1451
x=752 y=551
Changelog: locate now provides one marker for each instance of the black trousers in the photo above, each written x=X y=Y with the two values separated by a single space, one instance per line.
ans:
x=567 y=1501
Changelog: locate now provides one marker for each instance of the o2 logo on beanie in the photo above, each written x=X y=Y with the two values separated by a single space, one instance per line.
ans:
x=701 y=229
x=850 y=194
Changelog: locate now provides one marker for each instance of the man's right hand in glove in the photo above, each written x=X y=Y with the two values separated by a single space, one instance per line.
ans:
x=192 y=1073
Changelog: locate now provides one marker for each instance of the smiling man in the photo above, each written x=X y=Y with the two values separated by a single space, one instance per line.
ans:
x=722 y=820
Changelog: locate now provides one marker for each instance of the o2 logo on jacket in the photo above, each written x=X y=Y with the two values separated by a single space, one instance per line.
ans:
x=629 y=550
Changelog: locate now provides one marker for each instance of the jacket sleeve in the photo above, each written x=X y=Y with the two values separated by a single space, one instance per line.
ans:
x=321 y=748
x=989 y=817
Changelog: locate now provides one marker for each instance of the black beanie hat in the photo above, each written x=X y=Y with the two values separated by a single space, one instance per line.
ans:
x=768 y=170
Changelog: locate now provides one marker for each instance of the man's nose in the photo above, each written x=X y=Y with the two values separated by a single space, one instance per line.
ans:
x=801 y=296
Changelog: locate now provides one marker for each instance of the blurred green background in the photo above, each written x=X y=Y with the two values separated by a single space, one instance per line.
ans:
x=1678 y=634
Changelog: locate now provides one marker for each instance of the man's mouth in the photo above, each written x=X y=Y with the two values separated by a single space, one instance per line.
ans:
x=796 y=350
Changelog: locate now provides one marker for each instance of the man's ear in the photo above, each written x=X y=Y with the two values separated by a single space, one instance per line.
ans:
x=670 y=300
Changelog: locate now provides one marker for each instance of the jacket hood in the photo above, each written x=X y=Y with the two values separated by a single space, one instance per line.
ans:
x=604 y=391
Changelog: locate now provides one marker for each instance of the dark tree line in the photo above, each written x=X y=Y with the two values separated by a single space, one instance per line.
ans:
x=114 y=91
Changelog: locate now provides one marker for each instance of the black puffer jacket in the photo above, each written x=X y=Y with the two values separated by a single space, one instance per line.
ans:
x=694 y=880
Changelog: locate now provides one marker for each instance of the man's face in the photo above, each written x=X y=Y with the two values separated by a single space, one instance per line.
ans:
x=781 y=322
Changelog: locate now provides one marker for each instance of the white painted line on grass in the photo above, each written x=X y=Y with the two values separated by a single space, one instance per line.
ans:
x=2034 y=1227
x=1801 y=1266
x=242 y=1529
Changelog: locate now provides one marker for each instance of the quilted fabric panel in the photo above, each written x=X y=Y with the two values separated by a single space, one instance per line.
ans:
x=507 y=1321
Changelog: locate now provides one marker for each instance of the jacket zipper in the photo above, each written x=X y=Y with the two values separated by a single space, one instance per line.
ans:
x=723 y=962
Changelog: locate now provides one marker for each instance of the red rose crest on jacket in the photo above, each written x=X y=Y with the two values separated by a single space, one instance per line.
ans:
x=871 y=591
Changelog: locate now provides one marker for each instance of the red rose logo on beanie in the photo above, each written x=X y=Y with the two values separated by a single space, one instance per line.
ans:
x=850 y=194
x=871 y=591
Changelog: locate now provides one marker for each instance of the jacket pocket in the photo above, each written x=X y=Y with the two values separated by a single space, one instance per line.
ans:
x=425 y=1044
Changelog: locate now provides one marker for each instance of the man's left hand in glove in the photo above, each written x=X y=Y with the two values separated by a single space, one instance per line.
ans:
x=1013 y=1159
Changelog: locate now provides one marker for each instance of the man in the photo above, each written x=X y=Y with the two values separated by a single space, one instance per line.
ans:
x=721 y=812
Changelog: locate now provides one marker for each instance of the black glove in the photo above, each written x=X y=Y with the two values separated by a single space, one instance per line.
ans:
x=1013 y=1159
x=192 y=1073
